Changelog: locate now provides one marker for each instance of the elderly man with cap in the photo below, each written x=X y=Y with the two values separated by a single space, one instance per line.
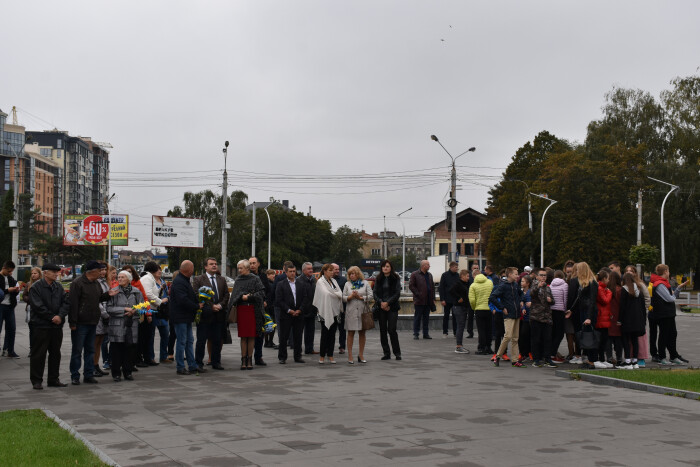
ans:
x=49 y=309
x=85 y=297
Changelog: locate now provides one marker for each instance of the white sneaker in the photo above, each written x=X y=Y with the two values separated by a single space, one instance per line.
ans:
x=635 y=367
x=576 y=360
x=599 y=365
x=609 y=365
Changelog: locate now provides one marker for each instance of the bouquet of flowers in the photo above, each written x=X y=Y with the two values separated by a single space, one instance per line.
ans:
x=269 y=325
x=143 y=309
x=205 y=295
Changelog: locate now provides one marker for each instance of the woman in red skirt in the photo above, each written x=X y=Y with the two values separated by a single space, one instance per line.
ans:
x=248 y=296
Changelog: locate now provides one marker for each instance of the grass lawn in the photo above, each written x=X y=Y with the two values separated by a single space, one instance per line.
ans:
x=688 y=380
x=29 y=437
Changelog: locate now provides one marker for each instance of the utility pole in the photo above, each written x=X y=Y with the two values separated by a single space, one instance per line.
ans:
x=252 y=242
x=403 y=259
x=224 y=220
x=384 y=252
x=109 y=229
x=452 y=202
x=14 y=223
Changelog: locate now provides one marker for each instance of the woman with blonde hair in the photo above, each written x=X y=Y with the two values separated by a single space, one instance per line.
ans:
x=328 y=300
x=357 y=294
x=581 y=307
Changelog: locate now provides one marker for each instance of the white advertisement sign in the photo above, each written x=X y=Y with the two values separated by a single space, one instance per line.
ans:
x=177 y=232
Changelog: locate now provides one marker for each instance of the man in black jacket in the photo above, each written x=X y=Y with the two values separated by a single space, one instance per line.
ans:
x=7 y=308
x=212 y=323
x=183 y=307
x=290 y=295
x=85 y=297
x=49 y=309
x=309 y=311
x=448 y=279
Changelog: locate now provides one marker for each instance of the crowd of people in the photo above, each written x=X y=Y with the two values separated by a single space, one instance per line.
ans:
x=114 y=315
x=603 y=316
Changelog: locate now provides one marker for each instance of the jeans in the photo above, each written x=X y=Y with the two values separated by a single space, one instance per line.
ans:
x=460 y=315
x=164 y=331
x=83 y=340
x=7 y=315
x=387 y=325
x=106 y=354
x=422 y=313
x=184 y=347
x=309 y=330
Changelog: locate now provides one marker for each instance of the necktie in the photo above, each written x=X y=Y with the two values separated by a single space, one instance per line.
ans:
x=212 y=279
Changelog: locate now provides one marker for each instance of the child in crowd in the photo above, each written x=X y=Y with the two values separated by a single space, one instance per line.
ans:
x=524 y=340
x=541 y=320
x=614 y=331
x=604 y=318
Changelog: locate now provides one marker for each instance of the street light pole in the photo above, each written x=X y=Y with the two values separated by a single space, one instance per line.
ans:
x=269 y=232
x=14 y=224
x=452 y=203
x=663 y=205
x=109 y=230
x=551 y=203
x=403 y=259
x=224 y=220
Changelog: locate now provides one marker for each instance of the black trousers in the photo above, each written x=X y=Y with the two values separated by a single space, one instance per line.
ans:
x=309 y=330
x=172 y=337
x=145 y=343
x=328 y=339
x=446 y=319
x=499 y=329
x=524 y=341
x=667 y=337
x=387 y=330
x=290 y=325
x=631 y=345
x=483 y=327
x=470 y=322
x=212 y=332
x=123 y=358
x=558 y=321
x=45 y=340
x=653 y=334
x=603 y=343
x=540 y=340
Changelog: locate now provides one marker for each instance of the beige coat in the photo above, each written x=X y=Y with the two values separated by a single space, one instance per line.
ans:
x=355 y=308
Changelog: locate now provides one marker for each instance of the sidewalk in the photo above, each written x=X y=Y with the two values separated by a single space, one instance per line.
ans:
x=433 y=408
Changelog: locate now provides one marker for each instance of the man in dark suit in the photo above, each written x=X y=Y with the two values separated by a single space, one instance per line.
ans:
x=290 y=296
x=213 y=320
x=309 y=312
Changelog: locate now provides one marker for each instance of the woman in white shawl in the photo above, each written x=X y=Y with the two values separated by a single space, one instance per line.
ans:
x=328 y=300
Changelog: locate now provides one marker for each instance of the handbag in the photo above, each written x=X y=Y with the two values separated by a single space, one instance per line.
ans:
x=588 y=339
x=232 y=315
x=367 y=316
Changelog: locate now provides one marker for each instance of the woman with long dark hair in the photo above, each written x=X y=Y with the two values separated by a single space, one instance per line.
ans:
x=387 y=291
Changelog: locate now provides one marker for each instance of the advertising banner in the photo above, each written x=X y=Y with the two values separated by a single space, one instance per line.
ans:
x=177 y=232
x=91 y=229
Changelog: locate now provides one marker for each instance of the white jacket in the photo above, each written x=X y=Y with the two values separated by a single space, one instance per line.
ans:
x=149 y=286
x=328 y=299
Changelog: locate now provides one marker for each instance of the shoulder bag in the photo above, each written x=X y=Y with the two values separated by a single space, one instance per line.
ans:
x=367 y=314
x=588 y=338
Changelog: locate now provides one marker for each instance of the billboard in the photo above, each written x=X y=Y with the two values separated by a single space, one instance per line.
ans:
x=91 y=229
x=177 y=232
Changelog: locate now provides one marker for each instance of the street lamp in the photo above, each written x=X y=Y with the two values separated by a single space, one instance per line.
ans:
x=403 y=259
x=109 y=230
x=452 y=203
x=224 y=220
x=663 y=205
x=529 y=213
x=551 y=203
x=269 y=231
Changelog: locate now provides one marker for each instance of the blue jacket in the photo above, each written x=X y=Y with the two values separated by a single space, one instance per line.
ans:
x=507 y=295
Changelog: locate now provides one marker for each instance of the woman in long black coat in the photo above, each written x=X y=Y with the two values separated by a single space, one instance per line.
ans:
x=632 y=317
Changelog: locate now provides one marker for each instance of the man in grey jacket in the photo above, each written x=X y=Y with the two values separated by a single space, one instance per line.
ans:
x=49 y=309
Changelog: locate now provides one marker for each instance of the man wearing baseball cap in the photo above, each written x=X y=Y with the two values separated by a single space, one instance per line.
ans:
x=85 y=297
x=49 y=309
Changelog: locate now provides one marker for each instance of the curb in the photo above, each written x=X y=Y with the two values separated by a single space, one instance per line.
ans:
x=622 y=383
x=94 y=449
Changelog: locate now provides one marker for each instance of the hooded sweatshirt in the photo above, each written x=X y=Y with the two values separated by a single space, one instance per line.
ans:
x=603 y=302
x=560 y=293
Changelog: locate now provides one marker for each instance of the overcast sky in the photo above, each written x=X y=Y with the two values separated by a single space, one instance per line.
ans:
x=329 y=90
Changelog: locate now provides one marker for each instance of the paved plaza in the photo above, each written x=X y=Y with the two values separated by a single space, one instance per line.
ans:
x=433 y=408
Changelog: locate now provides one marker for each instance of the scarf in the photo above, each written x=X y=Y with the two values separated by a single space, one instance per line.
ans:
x=127 y=290
x=357 y=284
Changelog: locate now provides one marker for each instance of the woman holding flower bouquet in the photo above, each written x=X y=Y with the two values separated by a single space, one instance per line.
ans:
x=357 y=294
x=248 y=296
x=123 y=326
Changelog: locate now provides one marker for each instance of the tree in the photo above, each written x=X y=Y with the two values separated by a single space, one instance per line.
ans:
x=6 y=215
x=412 y=262
x=645 y=254
x=346 y=247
